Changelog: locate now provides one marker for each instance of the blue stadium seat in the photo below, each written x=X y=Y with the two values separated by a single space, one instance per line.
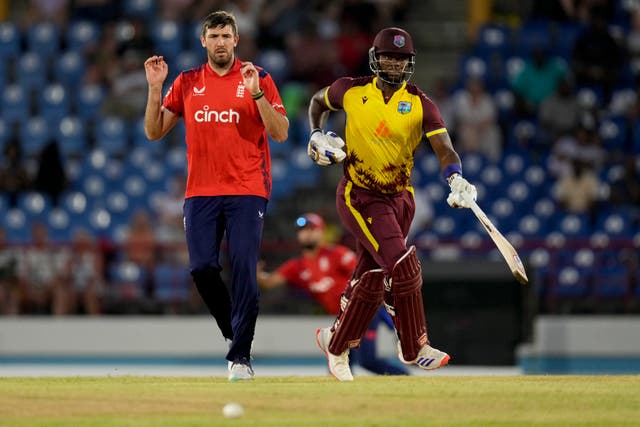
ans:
x=167 y=37
x=35 y=134
x=570 y=282
x=15 y=106
x=613 y=133
x=532 y=35
x=275 y=62
x=473 y=67
x=189 y=59
x=111 y=136
x=16 y=225
x=117 y=202
x=72 y=137
x=82 y=34
x=31 y=71
x=88 y=101
x=472 y=165
x=94 y=186
x=35 y=205
x=44 y=39
x=519 y=192
x=59 y=224
x=505 y=213
x=10 y=40
x=617 y=224
x=69 y=70
x=492 y=178
x=493 y=40
x=75 y=202
x=612 y=282
x=54 y=104
x=143 y=9
x=536 y=178
x=574 y=225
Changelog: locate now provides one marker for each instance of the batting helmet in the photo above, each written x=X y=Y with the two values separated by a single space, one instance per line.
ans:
x=394 y=41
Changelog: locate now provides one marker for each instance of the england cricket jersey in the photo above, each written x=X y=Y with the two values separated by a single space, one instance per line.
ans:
x=381 y=137
x=324 y=276
x=227 y=146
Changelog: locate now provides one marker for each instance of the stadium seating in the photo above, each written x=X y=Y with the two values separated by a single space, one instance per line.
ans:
x=43 y=39
x=81 y=34
x=10 y=40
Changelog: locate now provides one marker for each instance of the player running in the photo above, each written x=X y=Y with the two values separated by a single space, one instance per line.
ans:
x=386 y=120
x=228 y=107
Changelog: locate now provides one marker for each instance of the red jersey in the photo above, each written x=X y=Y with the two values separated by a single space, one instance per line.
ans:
x=227 y=146
x=324 y=276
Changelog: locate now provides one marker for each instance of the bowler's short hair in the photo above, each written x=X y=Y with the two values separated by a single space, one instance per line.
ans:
x=219 y=19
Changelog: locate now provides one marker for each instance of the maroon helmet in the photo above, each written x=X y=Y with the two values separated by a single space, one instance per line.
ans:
x=394 y=41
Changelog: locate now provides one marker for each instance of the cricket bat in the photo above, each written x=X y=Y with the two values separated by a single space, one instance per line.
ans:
x=506 y=249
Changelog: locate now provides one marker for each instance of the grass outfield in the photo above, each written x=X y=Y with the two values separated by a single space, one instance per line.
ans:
x=322 y=401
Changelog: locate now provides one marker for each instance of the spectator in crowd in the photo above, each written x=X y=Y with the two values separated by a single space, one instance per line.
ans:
x=476 y=121
x=127 y=95
x=14 y=177
x=140 y=244
x=537 y=80
x=9 y=283
x=86 y=272
x=559 y=114
x=324 y=270
x=597 y=59
x=43 y=274
x=578 y=191
x=51 y=178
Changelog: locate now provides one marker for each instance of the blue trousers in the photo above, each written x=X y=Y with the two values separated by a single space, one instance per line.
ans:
x=241 y=219
x=366 y=355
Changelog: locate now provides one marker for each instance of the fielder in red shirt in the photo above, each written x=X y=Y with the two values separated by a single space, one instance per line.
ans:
x=323 y=271
x=228 y=107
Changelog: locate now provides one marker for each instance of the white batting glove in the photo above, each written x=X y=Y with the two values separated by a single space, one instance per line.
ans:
x=325 y=148
x=459 y=187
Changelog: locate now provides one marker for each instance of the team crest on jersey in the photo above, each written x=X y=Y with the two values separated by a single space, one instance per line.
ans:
x=404 y=107
x=197 y=91
x=398 y=41
x=240 y=90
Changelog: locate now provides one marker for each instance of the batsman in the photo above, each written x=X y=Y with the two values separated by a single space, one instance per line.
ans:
x=386 y=119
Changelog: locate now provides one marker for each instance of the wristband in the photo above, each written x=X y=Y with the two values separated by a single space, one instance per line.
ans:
x=450 y=170
x=258 y=95
x=315 y=130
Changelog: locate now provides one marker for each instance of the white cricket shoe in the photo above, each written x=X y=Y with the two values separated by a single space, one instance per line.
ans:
x=429 y=358
x=240 y=370
x=338 y=365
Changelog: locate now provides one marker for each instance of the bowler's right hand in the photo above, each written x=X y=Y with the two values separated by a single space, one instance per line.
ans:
x=156 y=70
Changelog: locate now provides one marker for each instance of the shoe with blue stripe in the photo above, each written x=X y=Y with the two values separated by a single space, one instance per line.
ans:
x=428 y=358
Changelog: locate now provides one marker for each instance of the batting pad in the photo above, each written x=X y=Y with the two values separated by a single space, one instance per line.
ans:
x=405 y=297
x=367 y=294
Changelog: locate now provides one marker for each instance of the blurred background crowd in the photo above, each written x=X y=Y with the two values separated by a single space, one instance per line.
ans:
x=541 y=100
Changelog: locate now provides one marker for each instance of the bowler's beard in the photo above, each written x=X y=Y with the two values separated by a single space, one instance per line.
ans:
x=221 y=62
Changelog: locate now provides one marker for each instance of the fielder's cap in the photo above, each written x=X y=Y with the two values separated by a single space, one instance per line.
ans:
x=310 y=220
x=394 y=40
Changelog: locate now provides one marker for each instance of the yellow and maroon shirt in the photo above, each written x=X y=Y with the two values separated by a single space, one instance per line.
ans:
x=381 y=138
x=227 y=146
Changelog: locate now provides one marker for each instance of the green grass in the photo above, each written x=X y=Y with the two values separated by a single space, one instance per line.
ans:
x=322 y=401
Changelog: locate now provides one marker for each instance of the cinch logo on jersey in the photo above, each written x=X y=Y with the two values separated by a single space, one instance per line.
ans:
x=206 y=116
